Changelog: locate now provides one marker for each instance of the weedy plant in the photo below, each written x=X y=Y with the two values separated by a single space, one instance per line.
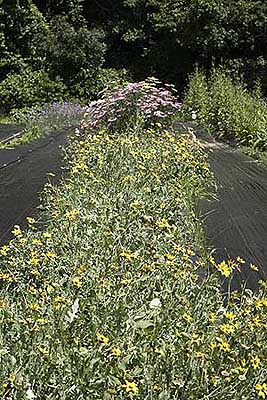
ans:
x=227 y=109
x=106 y=302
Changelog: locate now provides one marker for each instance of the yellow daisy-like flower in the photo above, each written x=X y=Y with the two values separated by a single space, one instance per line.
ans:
x=224 y=269
x=44 y=351
x=255 y=362
x=254 y=267
x=131 y=387
x=36 y=242
x=50 y=255
x=77 y=281
x=187 y=317
x=262 y=390
x=227 y=328
x=223 y=344
x=128 y=255
x=162 y=223
x=169 y=257
x=17 y=231
x=115 y=351
x=47 y=235
x=230 y=315
x=136 y=204
x=2 y=303
x=72 y=214
x=4 y=250
x=34 y=261
x=35 y=307
x=258 y=304
x=101 y=338
x=30 y=220
x=212 y=317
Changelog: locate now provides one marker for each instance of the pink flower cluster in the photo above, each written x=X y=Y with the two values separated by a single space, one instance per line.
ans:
x=137 y=103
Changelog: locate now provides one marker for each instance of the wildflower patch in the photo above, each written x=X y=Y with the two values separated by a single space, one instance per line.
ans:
x=106 y=301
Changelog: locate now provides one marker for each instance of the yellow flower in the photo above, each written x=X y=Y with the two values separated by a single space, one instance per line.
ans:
x=212 y=346
x=224 y=269
x=72 y=214
x=230 y=315
x=162 y=223
x=2 y=303
x=258 y=303
x=212 y=260
x=255 y=362
x=227 y=328
x=36 y=242
x=187 y=317
x=137 y=204
x=212 y=317
x=34 y=261
x=254 y=267
x=42 y=321
x=256 y=321
x=4 y=249
x=82 y=269
x=223 y=344
x=169 y=257
x=125 y=281
x=50 y=255
x=240 y=260
x=35 y=307
x=115 y=351
x=77 y=281
x=128 y=178
x=47 y=235
x=44 y=351
x=58 y=300
x=262 y=390
x=128 y=255
x=102 y=339
x=30 y=220
x=32 y=290
x=131 y=387
x=17 y=231
x=190 y=252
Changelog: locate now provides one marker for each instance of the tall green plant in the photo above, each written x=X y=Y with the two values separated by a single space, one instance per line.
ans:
x=227 y=109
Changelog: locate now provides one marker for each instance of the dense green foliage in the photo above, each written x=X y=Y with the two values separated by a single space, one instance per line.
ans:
x=73 y=39
x=227 y=109
x=24 y=89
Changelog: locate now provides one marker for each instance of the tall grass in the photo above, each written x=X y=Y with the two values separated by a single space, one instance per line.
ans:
x=227 y=109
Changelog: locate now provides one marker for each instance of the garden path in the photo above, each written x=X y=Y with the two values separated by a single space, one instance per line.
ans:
x=23 y=173
x=236 y=218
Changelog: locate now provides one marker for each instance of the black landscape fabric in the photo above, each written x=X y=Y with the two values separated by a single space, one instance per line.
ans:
x=23 y=173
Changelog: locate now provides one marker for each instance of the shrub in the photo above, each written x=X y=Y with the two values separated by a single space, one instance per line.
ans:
x=227 y=109
x=136 y=104
x=28 y=88
x=100 y=81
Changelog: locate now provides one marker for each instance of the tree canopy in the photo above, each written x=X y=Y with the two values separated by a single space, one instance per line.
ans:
x=70 y=39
